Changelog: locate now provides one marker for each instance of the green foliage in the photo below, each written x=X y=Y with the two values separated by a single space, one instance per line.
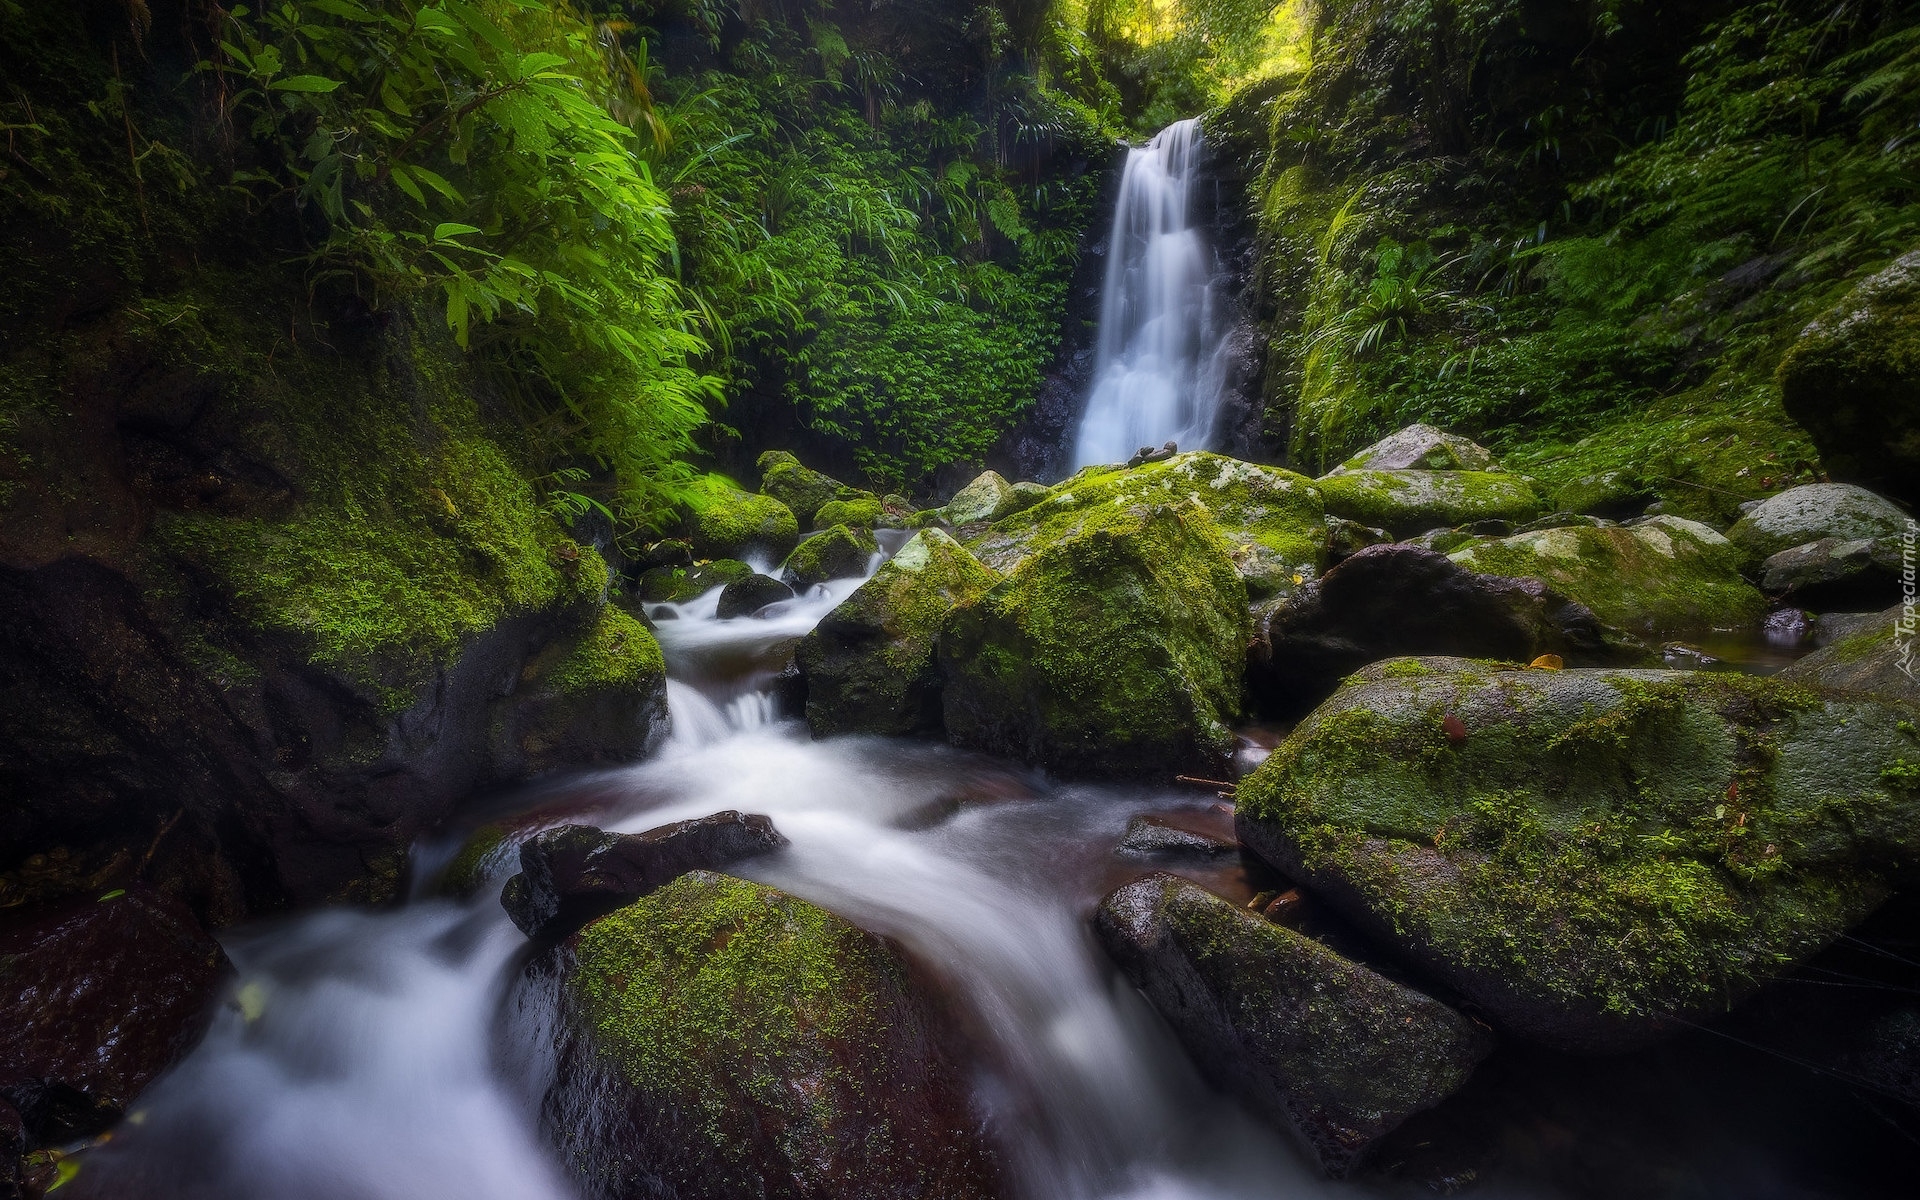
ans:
x=477 y=151
x=881 y=265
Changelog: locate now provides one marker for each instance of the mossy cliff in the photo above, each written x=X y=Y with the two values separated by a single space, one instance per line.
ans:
x=273 y=566
x=1593 y=857
x=724 y=1039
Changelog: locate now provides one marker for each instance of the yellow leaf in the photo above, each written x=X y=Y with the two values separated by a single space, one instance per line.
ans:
x=1547 y=662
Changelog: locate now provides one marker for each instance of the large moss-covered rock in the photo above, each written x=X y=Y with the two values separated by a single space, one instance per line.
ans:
x=864 y=513
x=1666 y=573
x=1852 y=380
x=870 y=664
x=988 y=498
x=678 y=584
x=719 y=1039
x=802 y=489
x=727 y=522
x=1114 y=647
x=1273 y=519
x=1814 y=511
x=836 y=553
x=1592 y=857
x=598 y=697
x=1321 y=1046
x=1411 y=502
x=1879 y=656
x=1422 y=448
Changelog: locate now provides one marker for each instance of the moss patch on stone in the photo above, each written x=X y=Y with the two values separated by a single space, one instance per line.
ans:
x=835 y=553
x=727 y=522
x=803 y=490
x=616 y=651
x=1411 y=502
x=1667 y=574
x=1589 y=854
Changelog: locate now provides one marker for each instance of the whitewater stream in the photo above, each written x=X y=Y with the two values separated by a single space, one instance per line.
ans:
x=1160 y=362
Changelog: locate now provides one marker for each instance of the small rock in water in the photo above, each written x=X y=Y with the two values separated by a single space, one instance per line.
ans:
x=750 y=595
x=574 y=873
x=1684 y=657
x=1148 y=834
x=1787 y=626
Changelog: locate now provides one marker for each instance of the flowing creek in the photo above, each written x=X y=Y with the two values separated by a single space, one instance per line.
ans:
x=361 y=1053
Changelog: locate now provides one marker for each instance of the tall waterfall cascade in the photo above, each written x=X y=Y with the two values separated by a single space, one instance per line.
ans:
x=1161 y=360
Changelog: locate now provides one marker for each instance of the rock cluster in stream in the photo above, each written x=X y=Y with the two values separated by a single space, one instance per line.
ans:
x=1531 y=830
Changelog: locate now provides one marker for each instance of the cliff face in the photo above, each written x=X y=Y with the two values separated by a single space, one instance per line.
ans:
x=275 y=588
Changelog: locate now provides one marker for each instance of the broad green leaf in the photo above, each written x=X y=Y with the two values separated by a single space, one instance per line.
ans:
x=304 y=83
x=451 y=229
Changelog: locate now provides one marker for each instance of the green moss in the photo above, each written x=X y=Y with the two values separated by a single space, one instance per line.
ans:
x=1639 y=844
x=676 y=585
x=803 y=490
x=727 y=522
x=1412 y=502
x=836 y=553
x=713 y=990
x=616 y=651
x=1664 y=575
x=865 y=513
x=476 y=860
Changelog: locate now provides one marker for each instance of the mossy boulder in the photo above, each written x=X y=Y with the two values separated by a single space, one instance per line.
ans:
x=718 y=1039
x=1321 y=1046
x=1852 y=380
x=836 y=553
x=1662 y=574
x=1834 y=574
x=1409 y=502
x=1272 y=518
x=988 y=498
x=869 y=664
x=677 y=585
x=1422 y=448
x=865 y=513
x=1878 y=656
x=1814 y=511
x=1114 y=647
x=598 y=697
x=1593 y=857
x=727 y=522
x=801 y=489
x=1615 y=495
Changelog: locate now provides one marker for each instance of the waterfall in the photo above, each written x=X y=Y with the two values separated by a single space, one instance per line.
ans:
x=1160 y=361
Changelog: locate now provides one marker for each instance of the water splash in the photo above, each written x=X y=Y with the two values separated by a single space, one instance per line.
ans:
x=1161 y=361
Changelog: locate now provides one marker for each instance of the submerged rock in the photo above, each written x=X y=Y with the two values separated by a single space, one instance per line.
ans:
x=1317 y=1044
x=1399 y=599
x=747 y=596
x=1878 y=655
x=1148 y=835
x=869 y=664
x=1852 y=381
x=988 y=498
x=1593 y=857
x=679 y=584
x=1424 y=448
x=97 y=997
x=1664 y=573
x=1814 y=511
x=1834 y=573
x=720 y=1039
x=801 y=489
x=836 y=553
x=574 y=873
x=1114 y=647
x=1406 y=503
x=727 y=522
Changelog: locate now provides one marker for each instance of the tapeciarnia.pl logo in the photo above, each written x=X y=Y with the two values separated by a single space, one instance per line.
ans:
x=1903 y=629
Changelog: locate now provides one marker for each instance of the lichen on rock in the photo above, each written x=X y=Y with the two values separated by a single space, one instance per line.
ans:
x=1409 y=502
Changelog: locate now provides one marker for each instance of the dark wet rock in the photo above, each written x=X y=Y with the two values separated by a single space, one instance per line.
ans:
x=1875 y=654
x=97 y=997
x=719 y=1039
x=1594 y=857
x=574 y=873
x=1682 y=656
x=869 y=664
x=747 y=596
x=1150 y=835
x=1148 y=454
x=1852 y=381
x=1814 y=511
x=1659 y=574
x=1315 y=1043
x=1115 y=646
x=1399 y=599
x=1835 y=573
x=597 y=698
x=801 y=489
x=13 y=1146
x=1787 y=626
x=1422 y=448
x=667 y=552
x=1406 y=503
x=837 y=553
x=679 y=584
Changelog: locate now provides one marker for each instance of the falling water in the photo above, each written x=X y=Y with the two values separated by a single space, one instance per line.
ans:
x=1162 y=351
